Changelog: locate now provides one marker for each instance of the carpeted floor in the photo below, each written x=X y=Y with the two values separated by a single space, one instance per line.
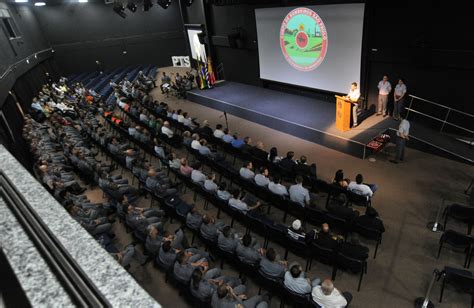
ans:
x=409 y=196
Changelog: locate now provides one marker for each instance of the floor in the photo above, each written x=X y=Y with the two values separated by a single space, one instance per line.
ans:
x=409 y=196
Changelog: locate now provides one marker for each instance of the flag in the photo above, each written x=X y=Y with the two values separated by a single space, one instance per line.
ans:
x=206 y=73
x=203 y=77
x=212 y=77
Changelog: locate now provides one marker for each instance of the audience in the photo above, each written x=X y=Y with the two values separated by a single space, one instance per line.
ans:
x=326 y=295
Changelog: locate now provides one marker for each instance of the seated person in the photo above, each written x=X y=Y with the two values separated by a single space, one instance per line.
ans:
x=166 y=130
x=248 y=253
x=204 y=149
x=195 y=144
x=295 y=280
x=360 y=188
x=205 y=284
x=187 y=139
x=270 y=266
x=205 y=129
x=167 y=255
x=288 y=163
x=246 y=171
x=209 y=184
x=300 y=194
x=222 y=192
x=228 y=137
x=193 y=219
x=326 y=295
x=173 y=161
x=185 y=169
x=218 y=132
x=340 y=180
x=196 y=175
x=227 y=240
x=125 y=256
x=246 y=146
x=226 y=296
x=276 y=187
x=325 y=238
x=210 y=228
x=154 y=240
x=236 y=142
x=273 y=156
x=261 y=179
x=259 y=151
x=302 y=166
x=186 y=263
x=370 y=220
x=236 y=202
x=296 y=232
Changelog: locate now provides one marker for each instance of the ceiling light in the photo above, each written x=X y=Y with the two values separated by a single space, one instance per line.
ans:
x=147 y=4
x=124 y=52
x=164 y=3
x=28 y=61
x=52 y=50
x=82 y=1
x=21 y=1
x=36 y=56
x=132 y=6
x=119 y=9
x=40 y=3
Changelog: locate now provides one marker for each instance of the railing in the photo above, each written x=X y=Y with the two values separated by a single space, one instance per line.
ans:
x=443 y=115
x=12 y=67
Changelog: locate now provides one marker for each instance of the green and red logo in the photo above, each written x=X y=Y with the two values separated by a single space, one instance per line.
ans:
x=303 y=39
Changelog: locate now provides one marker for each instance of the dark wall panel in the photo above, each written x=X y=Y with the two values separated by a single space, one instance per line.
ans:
x=83 y=33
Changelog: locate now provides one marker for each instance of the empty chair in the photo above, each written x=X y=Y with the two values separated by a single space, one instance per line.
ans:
x=461 y=213
x=462 y=280
x=458 y=241
x=355 y=265
x=369 y=233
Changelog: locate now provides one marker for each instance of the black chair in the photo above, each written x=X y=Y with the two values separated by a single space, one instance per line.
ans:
x=323 y=254
x=294 y=299
x=369 y=233
x=349 y=263
x=461 y=279
x=342 y=225
x=298 y=248
x=461 y=213
x=271 y=284
x=457 y=241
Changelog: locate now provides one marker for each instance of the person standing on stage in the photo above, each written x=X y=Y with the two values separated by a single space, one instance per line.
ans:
x=384 y=90
x=399 y=98
x=402 y=138
x=353 y=96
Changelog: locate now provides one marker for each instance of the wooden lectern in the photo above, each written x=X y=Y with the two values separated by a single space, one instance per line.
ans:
x=343 y=113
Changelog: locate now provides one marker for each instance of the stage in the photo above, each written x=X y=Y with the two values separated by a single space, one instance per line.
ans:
x=312 y=119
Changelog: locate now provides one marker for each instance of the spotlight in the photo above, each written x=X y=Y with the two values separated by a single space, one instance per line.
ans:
x=36 y=56
x=119 y=9
x=124 y=52
x=28 y=61
x=147 y=4
x=52 y=50
x=132 y=6
x=21 y=1
x=188 y=2
x=40 y=3
x=82 y=1
x=164 y=3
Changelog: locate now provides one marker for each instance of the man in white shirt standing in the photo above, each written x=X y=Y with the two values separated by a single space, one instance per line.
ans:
x=384 y=90
x=326 y=295
x=399 y=98
x=402 y=137
x=353 y=96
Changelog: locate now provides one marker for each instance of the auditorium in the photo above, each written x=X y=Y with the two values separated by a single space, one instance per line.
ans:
x=236 y=153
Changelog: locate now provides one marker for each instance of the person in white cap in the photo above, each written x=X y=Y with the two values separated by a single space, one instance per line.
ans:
x=296 y=232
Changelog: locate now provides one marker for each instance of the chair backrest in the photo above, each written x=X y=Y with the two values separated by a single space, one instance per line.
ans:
x=369 y=233
x=462 y=279
x=294 y=298
x=461 y=212
x=456 y=237
x=323 y=254
x=344 y=261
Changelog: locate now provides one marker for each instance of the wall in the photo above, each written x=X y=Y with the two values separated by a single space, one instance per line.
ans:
x=427 y=43
x=12 y=52
x=84 y=33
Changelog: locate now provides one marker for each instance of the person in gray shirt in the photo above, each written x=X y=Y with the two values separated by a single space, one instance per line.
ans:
x=222 y=192
x=166 y=256
x=227 y=297
x=270 y=266
x=295 y=280
x=210 y=228
x=247 y=253
x=276 y=187
x=203 y=285
x=185 y=265
x=261 y=179
x=246 y=171
x=153 y=241
x=209 y=184
x=227 y=240
x=194 y=219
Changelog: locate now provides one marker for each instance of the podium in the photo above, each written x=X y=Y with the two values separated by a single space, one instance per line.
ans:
x=343 y=113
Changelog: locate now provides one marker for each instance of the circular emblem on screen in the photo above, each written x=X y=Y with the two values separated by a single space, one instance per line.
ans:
x=303 y=39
